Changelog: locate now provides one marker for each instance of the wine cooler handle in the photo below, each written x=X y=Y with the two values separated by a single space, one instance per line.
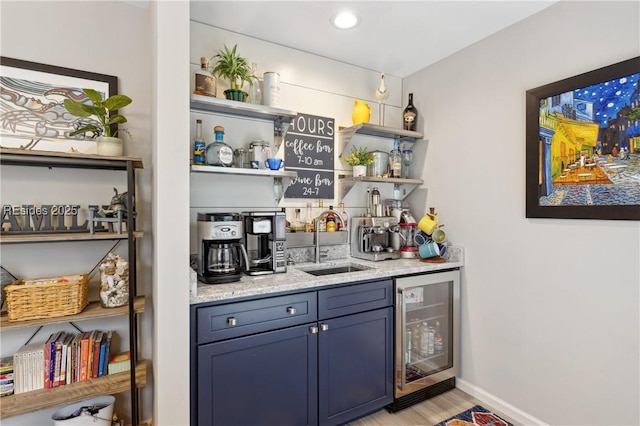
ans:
x=400 y=329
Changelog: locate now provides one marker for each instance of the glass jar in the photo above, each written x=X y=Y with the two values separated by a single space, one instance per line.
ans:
x=114 y=281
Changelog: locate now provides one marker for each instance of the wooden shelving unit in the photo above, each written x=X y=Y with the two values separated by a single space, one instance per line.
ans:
x=22 y=403
x=93 y=310
x=132 y=380
x=71 y=236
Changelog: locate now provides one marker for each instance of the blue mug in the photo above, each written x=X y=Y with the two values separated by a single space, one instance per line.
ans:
x=443 y=249
x=274 y=163
x=428 y=250
x=421 y=238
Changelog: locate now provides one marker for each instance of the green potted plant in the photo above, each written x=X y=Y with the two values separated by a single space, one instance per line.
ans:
x=106 y=125
x=359 y=158
x=236 y=69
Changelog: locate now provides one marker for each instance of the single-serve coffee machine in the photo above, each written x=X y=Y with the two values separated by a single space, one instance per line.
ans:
x=221 y=256
x=371 y=238
x=265 y=241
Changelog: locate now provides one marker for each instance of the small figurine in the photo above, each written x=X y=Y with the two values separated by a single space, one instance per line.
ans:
x=382 y=94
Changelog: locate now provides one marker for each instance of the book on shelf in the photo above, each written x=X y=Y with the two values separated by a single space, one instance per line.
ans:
x=104 y=353
x=50 y=354
x=6 y=376
x=96 y=354
x=84 y=355
x=57 y=362
x=28 y=364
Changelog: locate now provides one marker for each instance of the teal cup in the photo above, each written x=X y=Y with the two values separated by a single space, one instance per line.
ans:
x=430 y=249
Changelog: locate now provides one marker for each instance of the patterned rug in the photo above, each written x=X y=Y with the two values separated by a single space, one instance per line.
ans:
x=476 y=416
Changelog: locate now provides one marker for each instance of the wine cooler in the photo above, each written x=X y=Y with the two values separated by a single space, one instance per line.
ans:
x=426 y=336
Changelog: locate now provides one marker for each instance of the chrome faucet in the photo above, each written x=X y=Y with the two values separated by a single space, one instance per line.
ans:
x=316 y=238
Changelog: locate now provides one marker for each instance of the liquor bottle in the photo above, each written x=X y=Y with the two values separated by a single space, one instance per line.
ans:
x=424 y=339
x=219 y=153
x=255 y=94
x=343 y=226
x=395 y=160
x=437 y=340
x=204 y=82
x=410 y=115
x=198 y=145
x=308 y=222
x=331 y=221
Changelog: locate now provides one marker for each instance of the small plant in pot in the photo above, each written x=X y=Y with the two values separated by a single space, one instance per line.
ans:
x=359 y=158
x=236 y=69
x=105 y=126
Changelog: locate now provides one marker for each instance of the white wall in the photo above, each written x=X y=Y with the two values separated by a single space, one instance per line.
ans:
x=550 y=308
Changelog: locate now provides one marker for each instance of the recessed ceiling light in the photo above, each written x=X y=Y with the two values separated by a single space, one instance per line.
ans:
x=344 y=20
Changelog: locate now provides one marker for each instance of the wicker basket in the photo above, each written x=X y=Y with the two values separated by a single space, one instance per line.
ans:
x=46 y=297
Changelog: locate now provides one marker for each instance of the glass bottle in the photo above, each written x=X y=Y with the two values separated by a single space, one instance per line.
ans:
x=322 y=224
x=408 y=353
x=198 y=145
x=331 y=220
x=424 y=339
x=298 y=224
x=204 y=82
x=308 y=222
x=431 y=344
x=407 y=158
x=437 y=340
x=219 y=153
x=255 y=94
x=410 y=115
x=343 y=226
x=395 y=160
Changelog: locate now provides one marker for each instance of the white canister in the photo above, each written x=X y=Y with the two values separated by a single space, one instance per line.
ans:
x=271 y=89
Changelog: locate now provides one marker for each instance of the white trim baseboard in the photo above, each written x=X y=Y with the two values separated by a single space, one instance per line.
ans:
x=498 y=404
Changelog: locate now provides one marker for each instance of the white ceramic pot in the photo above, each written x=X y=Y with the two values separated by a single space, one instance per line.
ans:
x=359 y=171
x=110 y=146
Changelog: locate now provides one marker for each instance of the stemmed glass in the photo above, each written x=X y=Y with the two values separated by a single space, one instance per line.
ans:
x=407 y=158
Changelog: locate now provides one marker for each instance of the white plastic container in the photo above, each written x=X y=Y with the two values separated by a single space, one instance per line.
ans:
x=271 y=89
x=92 y=412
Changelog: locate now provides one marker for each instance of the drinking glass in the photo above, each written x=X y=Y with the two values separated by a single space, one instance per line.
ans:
x=407 y=158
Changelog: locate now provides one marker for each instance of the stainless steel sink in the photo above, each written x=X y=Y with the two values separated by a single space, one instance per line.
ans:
x=338 y=269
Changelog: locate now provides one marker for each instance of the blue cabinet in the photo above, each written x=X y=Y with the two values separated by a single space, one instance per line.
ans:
x=310 y=358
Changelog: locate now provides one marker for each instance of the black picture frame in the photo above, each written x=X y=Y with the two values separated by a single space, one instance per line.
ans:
x=25 y=79
x=540 y=156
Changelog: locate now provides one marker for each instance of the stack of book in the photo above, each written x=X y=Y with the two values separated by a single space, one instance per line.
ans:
x=6 y=376
x=63 y=359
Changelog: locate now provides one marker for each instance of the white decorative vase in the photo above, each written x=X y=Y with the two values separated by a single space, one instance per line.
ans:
x=110 y=146
x=359 y=171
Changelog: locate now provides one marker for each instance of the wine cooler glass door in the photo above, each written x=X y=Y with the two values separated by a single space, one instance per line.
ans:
x=426 y=329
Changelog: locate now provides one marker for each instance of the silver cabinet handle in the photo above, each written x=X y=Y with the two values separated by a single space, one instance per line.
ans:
x=313 y=329
x=231 y=321
x=291 y=311
x=324 y=327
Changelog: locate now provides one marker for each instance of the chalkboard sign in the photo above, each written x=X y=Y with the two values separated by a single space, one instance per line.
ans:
x=309 y=150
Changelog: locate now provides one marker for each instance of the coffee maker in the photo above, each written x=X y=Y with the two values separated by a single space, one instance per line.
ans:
x=371 y=238
x=221 y=255
x=265 y=241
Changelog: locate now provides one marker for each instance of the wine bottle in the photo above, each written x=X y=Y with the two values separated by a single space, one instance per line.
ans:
x=410 y=115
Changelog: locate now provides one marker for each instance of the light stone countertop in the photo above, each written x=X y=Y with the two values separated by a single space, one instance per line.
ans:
x=295 y=279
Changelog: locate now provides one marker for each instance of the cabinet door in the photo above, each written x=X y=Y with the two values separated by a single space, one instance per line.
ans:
x=355 y=365
x=268 y=378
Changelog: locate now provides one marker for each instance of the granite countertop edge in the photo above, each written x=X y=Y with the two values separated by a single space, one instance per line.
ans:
x=296 y=279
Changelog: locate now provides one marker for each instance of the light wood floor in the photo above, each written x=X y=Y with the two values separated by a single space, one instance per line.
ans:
x=427 y=413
